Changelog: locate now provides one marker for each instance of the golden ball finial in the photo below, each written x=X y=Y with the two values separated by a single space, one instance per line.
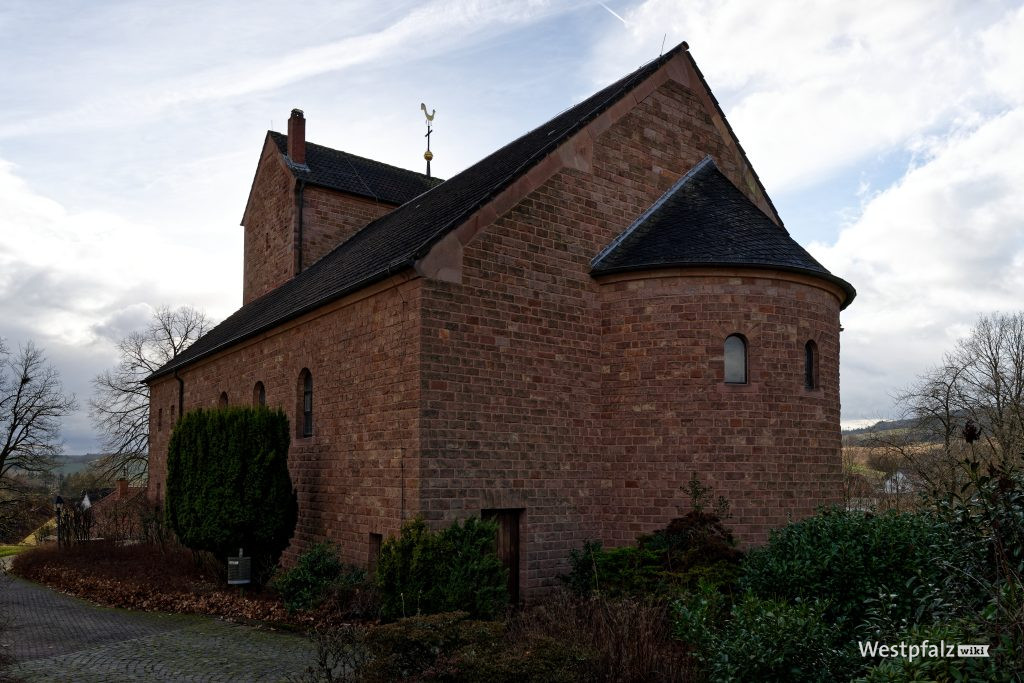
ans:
x=428 y=155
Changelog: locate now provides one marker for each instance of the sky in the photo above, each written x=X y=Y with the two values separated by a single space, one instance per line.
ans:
x=890 y=136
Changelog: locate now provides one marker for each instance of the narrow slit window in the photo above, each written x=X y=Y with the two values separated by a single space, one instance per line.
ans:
x=735 y=359
x=259 y=394
x=373 y=554
x=307 y=403
x=223 y=402
x=811 y=365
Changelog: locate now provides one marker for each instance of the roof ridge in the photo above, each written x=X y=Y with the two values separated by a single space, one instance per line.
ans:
x=396 y=240
x=351 y=155
x=553 y=144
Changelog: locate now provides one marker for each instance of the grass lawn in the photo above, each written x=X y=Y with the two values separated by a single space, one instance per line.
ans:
x=6 y=550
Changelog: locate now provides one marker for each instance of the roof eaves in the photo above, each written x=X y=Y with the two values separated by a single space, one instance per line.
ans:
x=183 y=359
x=847 y=288
x=629 y=83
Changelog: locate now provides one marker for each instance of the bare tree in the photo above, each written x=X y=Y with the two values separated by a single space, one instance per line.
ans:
x=120 y=405
x=32 y=403
x=981 y=379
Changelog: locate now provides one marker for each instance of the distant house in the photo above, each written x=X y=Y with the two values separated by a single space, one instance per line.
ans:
x=898 y=483
x=116 y=516
x=558 y=337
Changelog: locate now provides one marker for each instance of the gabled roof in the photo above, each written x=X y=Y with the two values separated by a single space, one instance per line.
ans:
x=397 y=239
x=705 y=220
x=356 y=175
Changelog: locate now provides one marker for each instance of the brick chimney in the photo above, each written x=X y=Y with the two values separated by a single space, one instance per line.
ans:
x=297 y=137
x=122 y=488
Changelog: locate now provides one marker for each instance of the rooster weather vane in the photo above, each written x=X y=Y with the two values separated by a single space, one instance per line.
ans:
x=428 y=155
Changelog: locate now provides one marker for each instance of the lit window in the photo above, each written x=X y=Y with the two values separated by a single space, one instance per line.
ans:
x=735 y=359
x=811 y=365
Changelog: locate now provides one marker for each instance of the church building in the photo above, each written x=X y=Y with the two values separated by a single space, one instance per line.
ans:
x=560 y=336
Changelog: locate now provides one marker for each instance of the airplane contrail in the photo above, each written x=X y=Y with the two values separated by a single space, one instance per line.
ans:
x=612 y=12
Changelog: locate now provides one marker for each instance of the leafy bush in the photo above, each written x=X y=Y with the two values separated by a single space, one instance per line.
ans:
x=457 y=568
x=988 y=516
x=316 y=571
x=693 y=547
x=771 y=640
x=228 y=485
x=850 y=559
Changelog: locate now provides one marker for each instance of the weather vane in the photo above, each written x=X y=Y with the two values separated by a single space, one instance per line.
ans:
x=428 y=155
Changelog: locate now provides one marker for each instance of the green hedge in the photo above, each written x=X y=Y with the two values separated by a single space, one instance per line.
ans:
x=228 y=485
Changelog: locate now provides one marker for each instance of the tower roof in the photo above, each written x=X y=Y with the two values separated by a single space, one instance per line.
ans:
x=398 y=239
x=704 y=220
x=338 y=170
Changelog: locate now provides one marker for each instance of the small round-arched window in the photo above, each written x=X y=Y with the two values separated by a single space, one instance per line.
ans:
x=735 y=359
x=223 y=402
x=810 y=365
x=259 y=394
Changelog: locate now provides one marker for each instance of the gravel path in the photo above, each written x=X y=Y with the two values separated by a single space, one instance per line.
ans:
x=60 y=638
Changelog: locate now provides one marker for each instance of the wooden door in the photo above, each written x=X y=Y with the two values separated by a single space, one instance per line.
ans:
x=508 y=545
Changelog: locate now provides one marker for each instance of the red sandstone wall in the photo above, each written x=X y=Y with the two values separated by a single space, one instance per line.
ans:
x=269 y=253
x=329 y=218
x=522 y=361
x=514 y=363
x=271 y=233
x=770 y=446
x=349 y=474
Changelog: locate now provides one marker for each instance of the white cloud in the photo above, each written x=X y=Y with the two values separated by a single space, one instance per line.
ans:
x=815 y=90
x=136 y=150
x=814 y=87
x=75 y=282
x=426 y=31
x=928 y=255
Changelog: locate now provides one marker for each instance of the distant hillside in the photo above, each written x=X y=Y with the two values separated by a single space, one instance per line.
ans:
x=882 y=426
x=72 y=464
x=912 y=428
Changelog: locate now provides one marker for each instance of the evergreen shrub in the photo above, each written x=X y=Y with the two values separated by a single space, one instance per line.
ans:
x=455 y=569
x=228 y=485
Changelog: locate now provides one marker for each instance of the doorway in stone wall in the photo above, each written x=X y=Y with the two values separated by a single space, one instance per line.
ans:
x=508 y=544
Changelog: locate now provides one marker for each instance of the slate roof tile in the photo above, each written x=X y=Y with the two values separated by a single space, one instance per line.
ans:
x=356 y=175
x=394 y=241
x=705 y=220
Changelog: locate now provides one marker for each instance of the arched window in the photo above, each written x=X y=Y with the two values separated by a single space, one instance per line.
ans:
x=259 y=394
x=811 y=365
x=223 y=402
x=735 y=359
x=306 y=387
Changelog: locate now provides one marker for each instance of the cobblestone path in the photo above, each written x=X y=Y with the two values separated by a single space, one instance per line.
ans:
x=60 y=638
